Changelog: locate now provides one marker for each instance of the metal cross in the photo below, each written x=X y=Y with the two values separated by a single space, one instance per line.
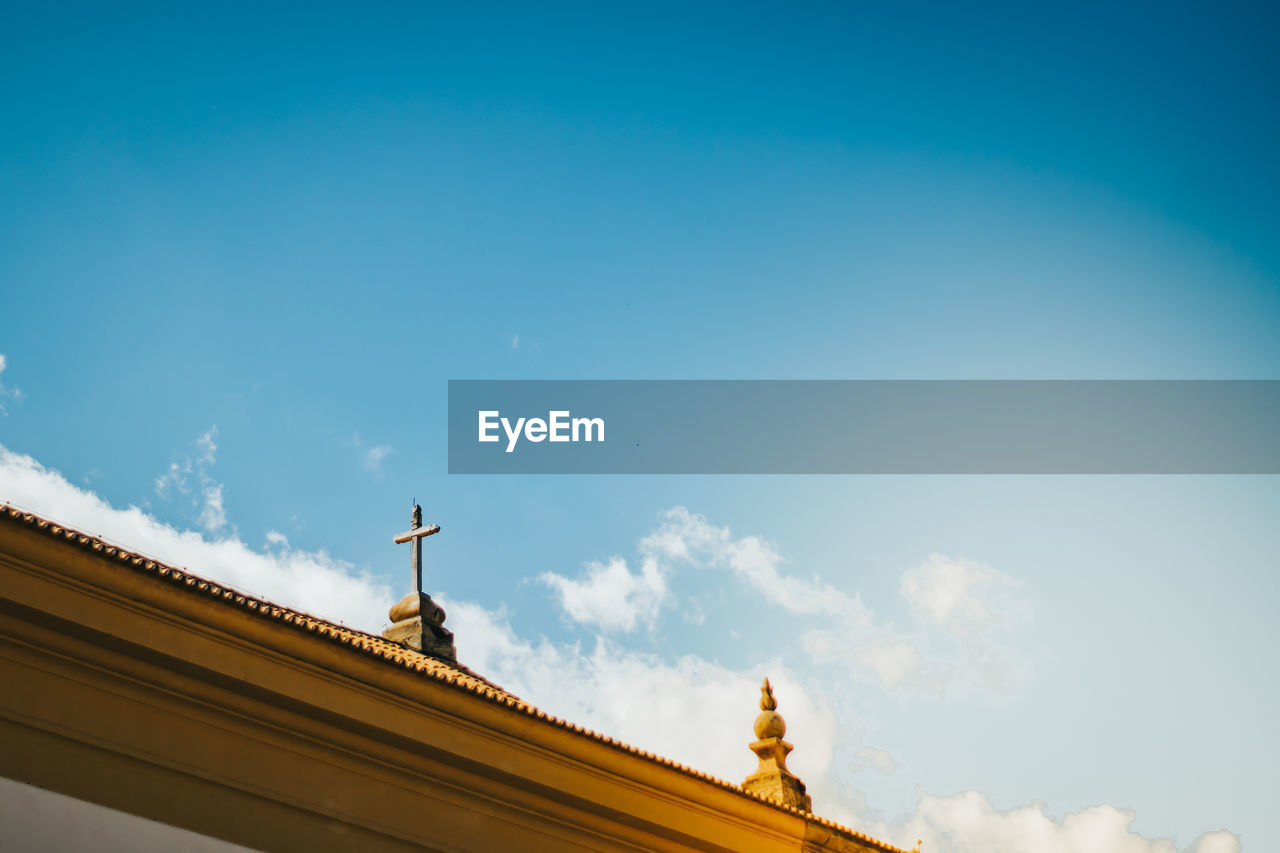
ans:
x=415 y=534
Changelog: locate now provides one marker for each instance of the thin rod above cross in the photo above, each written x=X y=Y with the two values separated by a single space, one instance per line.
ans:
x=415 y=535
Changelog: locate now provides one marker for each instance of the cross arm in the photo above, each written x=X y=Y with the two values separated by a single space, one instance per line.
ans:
x=417 y=533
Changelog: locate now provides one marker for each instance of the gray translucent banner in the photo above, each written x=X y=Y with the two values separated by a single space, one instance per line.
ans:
x=864 y=427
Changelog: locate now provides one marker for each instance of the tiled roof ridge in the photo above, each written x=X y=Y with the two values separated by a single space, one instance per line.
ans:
x=375 y=646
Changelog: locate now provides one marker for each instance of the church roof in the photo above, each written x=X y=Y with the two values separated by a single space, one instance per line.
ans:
x=385 y=653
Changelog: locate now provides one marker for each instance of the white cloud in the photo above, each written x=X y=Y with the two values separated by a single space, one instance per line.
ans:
x=1219 y=841
x=969 y=823
x=879 y=760
x=515 y=342
x=610 y=596
x=311 y=581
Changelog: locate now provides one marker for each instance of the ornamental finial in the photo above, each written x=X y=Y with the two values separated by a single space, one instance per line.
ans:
x=772 y=779
x=770 y=723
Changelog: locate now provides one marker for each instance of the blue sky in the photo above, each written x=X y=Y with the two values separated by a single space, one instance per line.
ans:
x=284 y=230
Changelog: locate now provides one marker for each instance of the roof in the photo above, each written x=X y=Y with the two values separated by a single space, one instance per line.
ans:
x=384 y=653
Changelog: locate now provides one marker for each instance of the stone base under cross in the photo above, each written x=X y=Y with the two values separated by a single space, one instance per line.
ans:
x=418 y=622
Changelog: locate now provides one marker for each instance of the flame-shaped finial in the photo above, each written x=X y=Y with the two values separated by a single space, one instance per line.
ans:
x=769 y=723
x=767 y=702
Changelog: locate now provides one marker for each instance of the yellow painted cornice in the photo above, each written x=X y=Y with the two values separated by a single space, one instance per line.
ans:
x=75 y=597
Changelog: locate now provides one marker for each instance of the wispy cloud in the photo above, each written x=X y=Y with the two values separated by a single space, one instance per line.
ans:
x=11 y=392
x=371 y=456
x=212 y=515
x=966 y=613
x=190 y=476
x=520 y=343
x=968 y=823
x=374 y=455
x=685 y=537
x=962 y=597
x=879 y=760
